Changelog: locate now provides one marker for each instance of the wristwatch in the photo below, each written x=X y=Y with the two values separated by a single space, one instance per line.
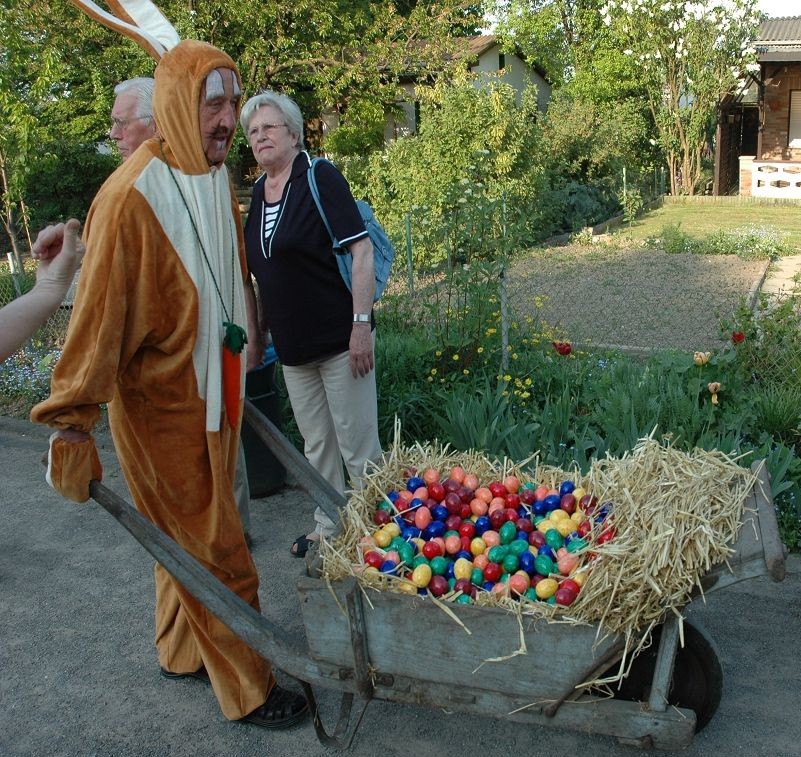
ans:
x=361 y=318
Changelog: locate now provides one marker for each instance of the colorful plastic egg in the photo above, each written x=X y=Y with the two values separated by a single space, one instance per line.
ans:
x=439 y=565
x=543 y=565
x=462 y=568
x=421 y=576
x=546 y=588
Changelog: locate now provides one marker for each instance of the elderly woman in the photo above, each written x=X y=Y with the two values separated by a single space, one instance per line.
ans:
x=323 y=333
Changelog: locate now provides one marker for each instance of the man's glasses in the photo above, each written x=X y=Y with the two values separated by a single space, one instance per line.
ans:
x=263 y=129
x=123 y=123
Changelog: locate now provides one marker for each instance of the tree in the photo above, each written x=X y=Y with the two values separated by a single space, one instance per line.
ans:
x=690 y=55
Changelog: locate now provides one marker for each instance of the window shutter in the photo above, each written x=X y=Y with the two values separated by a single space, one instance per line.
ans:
x=794 y=137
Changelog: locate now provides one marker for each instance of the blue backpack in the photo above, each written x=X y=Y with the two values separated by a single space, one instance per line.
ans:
x=383 y=251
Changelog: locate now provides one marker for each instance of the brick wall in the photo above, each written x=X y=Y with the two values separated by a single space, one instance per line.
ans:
x=777 y=111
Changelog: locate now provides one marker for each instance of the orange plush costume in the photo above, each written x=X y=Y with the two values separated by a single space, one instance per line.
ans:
x=163 y=270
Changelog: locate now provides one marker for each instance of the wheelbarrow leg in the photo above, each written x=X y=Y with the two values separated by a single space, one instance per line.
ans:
x=663 y=670
x=347 y=724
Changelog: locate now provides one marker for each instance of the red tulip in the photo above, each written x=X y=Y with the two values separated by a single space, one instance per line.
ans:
x=737 y=337
x=563 y=348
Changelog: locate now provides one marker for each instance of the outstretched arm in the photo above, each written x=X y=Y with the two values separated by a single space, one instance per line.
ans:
x=59 y=251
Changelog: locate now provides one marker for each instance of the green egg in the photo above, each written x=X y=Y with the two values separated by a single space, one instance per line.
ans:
x=574 y=545
x=439 y=565
x=518 y=546
x=497 y=553
x=464 y=599
x=419 y=560
x=510 y=563
x=477 y=577
x=406 y=553
x=531 y=594
x=508 y=532
x=553 y=538
x=543 y=565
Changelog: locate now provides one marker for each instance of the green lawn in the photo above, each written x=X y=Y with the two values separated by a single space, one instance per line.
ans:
x=703 y=216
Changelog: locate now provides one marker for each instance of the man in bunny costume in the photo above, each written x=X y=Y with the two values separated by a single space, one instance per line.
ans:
x=163 y=273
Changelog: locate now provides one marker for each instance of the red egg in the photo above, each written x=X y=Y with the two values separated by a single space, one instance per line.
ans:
x=492 y=572
x=510 y=514
x=373 y=559
x=468 y=529
x=584 y=528
x=536 y=539
x=436 y=491
x=568 y=503
x=606 y=536
x=570 y=584
x=528 y=496
x=465 y=586
x=432 y=549
x=497 y=489
x=453 y=502
x=512 y=500
x=466 y=494
x=381 y=517
x=565 y=597
x=452 y=523
x=465 y=512
x=497 y=519
x=525 y=525
x=438 y=585
x=588 y=503
x=451 y=486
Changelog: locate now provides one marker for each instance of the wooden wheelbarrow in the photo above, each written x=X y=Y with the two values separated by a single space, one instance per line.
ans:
x=364 y=652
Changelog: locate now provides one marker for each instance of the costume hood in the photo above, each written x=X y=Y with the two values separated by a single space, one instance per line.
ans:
x=179 y=80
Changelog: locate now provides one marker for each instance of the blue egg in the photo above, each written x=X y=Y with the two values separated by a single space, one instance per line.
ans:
x=566 y=488
x=463 y=553
x=552 y=502
x=392 y=496
x=401 y=523
x=526 y=561
x=522 y=535
x=604 y=510
x=449 y=571
x=482 y=524
x=440 y=512
x=487 y=585
x=539 y=507
x=388 y=566
x=571 y=536
x=523 y=511
x=433 y=529
x=415 y=482
x=546 y=550
x=416 y=502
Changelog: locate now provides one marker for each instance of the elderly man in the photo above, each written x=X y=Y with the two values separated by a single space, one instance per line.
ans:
x=132 y=115
x=131 y=124
x=162 y=287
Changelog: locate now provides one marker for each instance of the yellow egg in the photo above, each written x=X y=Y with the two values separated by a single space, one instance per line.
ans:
x=462 y=568
x=545 y=525
x=478 y=546
x=566 y=526
x=558 y=515
x=580 y=577
x=405 y=587
x=393 y=529
x=382 y=538
x=546 y=588
x=421 y=576
x=418 y=542
x=579 y=492
x=578 y=517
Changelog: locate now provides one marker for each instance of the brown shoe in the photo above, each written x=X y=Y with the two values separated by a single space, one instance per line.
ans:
x=282 y=709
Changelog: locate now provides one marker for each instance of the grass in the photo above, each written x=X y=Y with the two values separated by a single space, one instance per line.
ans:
x=705 y=216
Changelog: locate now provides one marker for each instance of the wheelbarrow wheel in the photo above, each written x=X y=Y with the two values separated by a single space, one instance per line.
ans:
x=697 y=681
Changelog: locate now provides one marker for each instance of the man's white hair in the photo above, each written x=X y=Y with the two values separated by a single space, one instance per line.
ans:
x=142 y=87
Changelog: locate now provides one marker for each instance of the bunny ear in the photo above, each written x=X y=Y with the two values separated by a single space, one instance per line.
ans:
x=154 y=46
x=148 y=18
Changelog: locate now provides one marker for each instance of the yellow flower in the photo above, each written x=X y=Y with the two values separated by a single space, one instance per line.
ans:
x=430 y=378
x=490 y=332
x=514 y=356
x=456 y=357
x=701 y=358
x=438 y=353
x=507 y=377
x=714 y=388
x=433 y=371
x=528 y=381
x=465 y=371
x=480 y=350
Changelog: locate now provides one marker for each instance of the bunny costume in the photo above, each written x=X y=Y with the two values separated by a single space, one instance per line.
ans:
x=163 y=269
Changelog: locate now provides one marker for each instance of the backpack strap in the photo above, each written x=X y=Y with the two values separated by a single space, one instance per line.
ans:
x=315 y=193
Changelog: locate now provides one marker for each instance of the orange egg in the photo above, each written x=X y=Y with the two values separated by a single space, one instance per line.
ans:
x=405 y=494
x=421 y=493
x=453 y=544
x=501 y=589
x=422 y=517
x=481 y=561
x=483 y=493
x=540 y=492
x=512 y=484
x=478 y=507
x=366 y=543
x=439 y=540
x=491 y=538
x=470 y=481
x=457 y=474
x=430 y=475
x=519 y=583
x=567 y=564
x=392 y=555
x=498 y=503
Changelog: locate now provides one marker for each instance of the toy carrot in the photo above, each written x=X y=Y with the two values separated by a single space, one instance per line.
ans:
x=233 y=343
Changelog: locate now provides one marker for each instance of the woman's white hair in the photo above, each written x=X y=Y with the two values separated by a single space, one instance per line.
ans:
x=286 y=106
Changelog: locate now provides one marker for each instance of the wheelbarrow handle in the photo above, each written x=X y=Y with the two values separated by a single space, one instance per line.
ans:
x=318 y=489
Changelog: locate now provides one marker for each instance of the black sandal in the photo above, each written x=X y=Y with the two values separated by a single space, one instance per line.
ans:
x=282 y=709
x=301 y=546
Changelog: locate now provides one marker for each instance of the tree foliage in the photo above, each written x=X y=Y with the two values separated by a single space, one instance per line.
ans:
x=689 y=56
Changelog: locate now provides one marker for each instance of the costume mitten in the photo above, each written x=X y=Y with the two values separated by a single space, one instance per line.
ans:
x=71 y=466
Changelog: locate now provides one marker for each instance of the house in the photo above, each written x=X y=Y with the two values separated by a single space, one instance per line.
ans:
x=758 y=144
x=485 y=58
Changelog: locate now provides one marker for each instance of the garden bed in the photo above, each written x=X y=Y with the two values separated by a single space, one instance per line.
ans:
x=640 y=299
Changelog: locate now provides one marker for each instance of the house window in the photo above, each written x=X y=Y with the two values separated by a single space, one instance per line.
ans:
x=794 y=132
x=501 y=61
